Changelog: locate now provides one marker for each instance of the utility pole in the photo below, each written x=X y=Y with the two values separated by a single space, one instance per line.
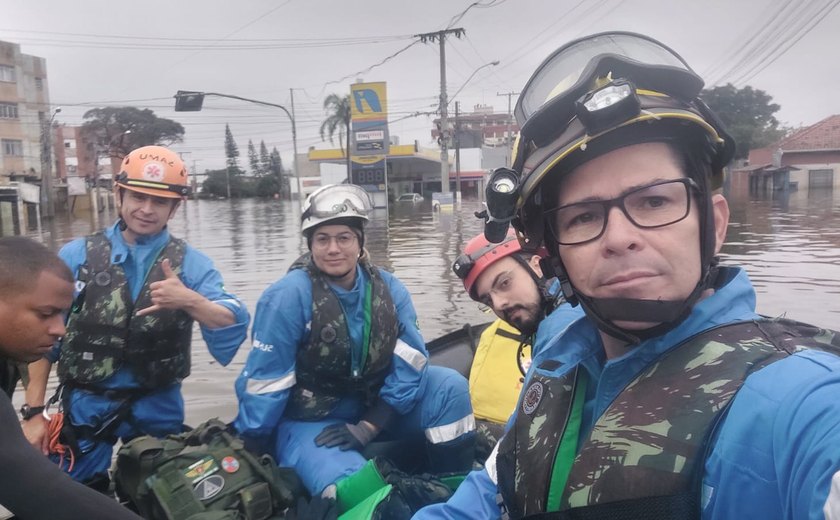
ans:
x=294 y=148
x=457 y=152
x=48 y=208
x=440 y=36
x=509 y=95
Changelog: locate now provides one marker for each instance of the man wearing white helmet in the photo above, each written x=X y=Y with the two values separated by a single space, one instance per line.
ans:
x=127 y=348
x=672 y=398
x=338 y=358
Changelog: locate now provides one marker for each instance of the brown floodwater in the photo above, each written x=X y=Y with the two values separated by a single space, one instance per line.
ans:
x=790 y=246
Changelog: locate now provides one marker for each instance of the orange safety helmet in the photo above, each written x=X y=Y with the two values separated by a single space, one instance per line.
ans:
x=154 y=170
x=479 y=254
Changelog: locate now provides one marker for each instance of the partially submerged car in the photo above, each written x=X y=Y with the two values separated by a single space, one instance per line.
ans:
x=410 y=197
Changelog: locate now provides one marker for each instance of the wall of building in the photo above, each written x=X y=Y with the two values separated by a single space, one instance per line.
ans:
x=25 y=87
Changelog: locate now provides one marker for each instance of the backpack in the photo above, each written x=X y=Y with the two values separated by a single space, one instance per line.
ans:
x=204 y=474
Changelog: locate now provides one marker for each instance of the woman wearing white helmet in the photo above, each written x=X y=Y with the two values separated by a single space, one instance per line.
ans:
x=338 y=358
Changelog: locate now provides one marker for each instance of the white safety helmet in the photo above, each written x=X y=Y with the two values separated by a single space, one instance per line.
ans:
x=335 y=202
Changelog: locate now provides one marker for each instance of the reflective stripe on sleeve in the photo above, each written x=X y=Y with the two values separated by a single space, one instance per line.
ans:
x=267 y=386
x=451 y=431
x=412 y=356
x=490 y=464
x=831 y=510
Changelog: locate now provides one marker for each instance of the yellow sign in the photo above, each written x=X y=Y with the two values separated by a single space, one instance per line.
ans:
x=368 y=101
x=367 y=159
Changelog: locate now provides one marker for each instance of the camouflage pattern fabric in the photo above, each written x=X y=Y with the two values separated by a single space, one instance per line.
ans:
x=650 y=440
x=323 y=365
x=103 y=332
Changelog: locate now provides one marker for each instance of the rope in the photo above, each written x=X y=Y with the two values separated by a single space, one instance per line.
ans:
x=55 y=446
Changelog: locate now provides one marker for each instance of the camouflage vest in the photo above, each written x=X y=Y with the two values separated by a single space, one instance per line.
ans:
x=104 y=334
x=323 y=366
x=650 y=441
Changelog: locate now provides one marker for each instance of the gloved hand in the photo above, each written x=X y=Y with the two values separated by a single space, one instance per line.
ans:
x=347 y=436
x=316 y=508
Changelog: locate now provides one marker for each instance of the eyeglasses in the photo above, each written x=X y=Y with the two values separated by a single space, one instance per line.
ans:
x=656 y=205
x=344 y=240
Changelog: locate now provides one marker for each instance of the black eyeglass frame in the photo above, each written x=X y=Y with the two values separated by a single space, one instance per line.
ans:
x=618 y=202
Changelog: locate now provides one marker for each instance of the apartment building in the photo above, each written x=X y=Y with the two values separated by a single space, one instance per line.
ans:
x=24 y=106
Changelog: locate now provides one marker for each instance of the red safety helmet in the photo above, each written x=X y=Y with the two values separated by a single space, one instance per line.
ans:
x=479 y=254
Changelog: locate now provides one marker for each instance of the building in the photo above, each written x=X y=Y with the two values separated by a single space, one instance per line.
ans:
x=24 y=108
x=807 y=159
x=480 y=128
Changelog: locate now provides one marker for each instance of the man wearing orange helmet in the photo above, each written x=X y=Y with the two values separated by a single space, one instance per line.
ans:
x=128 y=341
x=509 y=281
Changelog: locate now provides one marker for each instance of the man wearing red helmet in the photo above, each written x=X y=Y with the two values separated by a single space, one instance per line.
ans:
x=128 y=341
x=509 y=281
x=672 y=398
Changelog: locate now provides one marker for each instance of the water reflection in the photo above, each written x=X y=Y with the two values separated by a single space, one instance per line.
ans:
x=790 y=247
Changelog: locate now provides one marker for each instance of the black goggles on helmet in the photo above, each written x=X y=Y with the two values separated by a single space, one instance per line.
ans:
x=181 y=189
x=465 y=262
x=550 y=99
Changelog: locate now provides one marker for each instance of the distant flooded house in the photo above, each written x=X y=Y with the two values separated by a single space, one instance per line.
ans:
x=808 y=159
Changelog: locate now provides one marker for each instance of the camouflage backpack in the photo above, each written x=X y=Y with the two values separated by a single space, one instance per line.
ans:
x=204 y=474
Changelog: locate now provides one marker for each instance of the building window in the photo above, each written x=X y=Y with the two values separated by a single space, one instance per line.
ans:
x=12 y=148
x=39 y=83
x=7 y=73
x=8 y=111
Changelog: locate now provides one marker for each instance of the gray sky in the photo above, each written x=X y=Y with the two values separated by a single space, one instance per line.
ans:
x=102 y=52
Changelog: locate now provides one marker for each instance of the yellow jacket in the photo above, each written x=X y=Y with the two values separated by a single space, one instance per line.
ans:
x=495 y=380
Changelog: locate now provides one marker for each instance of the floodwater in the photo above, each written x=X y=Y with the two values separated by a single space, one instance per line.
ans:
x=790 y=247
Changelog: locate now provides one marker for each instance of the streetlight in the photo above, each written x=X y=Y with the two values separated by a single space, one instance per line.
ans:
x=491 y=64
x=457 y=137
x=191 y=101
x=46 y=165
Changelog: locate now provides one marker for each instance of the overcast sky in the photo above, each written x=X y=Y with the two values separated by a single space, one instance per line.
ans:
x=102 y=52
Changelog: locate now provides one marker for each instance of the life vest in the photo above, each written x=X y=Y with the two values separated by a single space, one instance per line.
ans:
x=203 y=474
x=104 y=334
x=495 y=379
x=646 y=452
x=9 y=376
x=324 y=368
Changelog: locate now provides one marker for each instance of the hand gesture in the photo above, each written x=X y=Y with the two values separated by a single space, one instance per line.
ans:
x=35 y=431
x=169 y=293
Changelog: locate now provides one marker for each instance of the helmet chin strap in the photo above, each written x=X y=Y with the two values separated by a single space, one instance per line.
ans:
x=667 y=314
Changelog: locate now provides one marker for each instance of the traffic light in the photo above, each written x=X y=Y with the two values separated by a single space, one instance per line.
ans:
x=186 y=101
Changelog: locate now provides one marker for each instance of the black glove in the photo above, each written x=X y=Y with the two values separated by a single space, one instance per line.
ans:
x=347 y=436
x=316 y=508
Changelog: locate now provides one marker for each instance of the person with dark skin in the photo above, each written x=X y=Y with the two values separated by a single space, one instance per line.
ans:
x=36 y=290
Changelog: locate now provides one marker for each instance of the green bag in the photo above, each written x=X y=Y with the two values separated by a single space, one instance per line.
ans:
x=204 y=474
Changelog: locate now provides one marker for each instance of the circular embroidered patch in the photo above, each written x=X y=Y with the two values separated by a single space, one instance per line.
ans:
x=532 y=398
x=153 y=172
x=328 y=334
x=209 y=487
x=230 y=464
x=102 y=278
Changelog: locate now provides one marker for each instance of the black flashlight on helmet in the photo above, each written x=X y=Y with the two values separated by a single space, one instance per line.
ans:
x=501 y=193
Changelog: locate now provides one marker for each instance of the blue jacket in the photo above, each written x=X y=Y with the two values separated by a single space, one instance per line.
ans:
x=773 y=456
x=198 y=274
x=281 y=326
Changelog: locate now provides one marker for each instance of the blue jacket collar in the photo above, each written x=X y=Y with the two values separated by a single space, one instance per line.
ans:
x=120 y=249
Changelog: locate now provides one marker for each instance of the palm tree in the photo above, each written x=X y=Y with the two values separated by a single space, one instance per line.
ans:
x=337 y=109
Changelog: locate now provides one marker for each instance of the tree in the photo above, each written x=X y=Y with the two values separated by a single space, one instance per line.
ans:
x=747 y=114
x=337 y=109
x=118 y=130
x=231 y=152
x=254 y=159
x=275 y=165
x=265 y=159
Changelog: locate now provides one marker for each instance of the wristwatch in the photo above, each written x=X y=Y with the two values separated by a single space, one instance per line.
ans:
x=28 y=412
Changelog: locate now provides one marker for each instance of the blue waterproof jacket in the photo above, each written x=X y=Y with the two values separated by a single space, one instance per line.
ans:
x=282 y=325
x=773 y=456
x=198 y=274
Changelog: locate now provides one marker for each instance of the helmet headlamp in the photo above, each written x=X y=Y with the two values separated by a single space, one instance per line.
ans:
x=608 y=106
x=502 y=193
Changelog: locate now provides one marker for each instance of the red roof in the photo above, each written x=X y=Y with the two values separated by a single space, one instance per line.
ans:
x=824 y=135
